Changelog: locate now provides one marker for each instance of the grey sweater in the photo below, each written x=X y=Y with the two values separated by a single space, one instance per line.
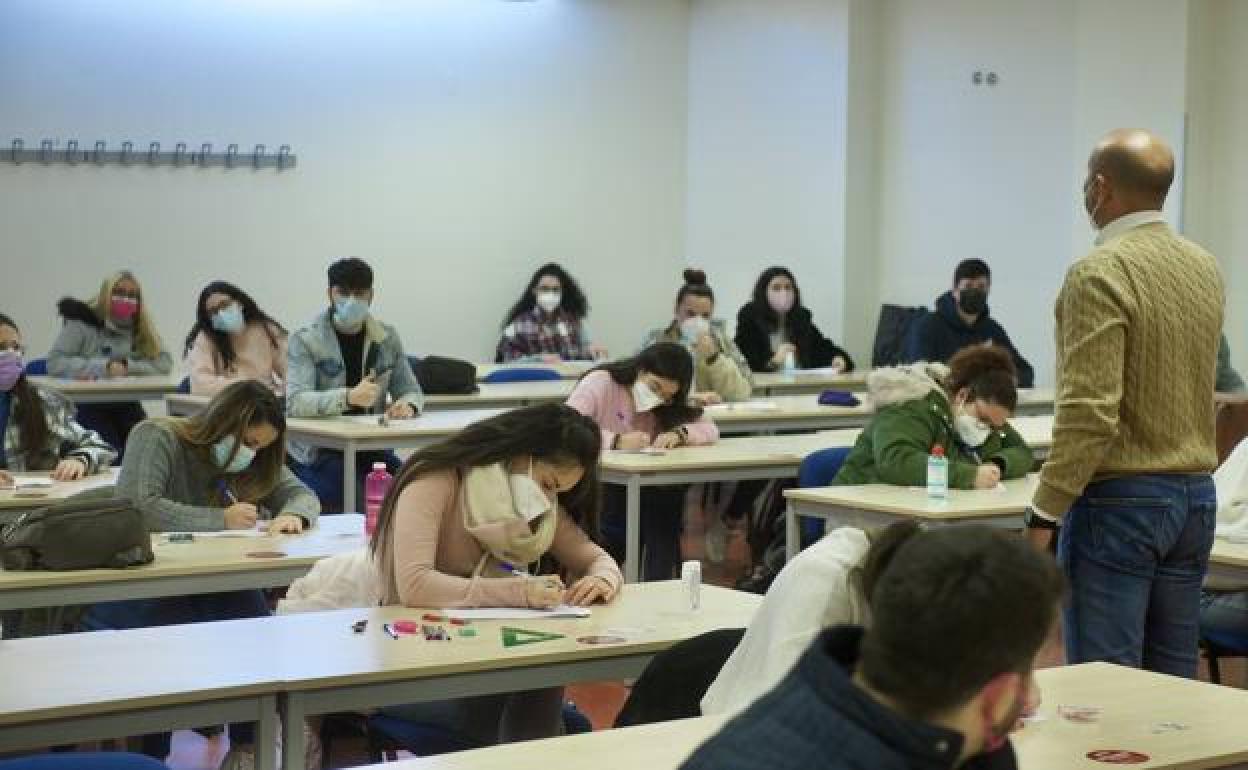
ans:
x=176 y=490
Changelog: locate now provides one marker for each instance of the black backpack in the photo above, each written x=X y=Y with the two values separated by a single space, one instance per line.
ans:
x=895 y=325
x=88 y=531
x=449 y=376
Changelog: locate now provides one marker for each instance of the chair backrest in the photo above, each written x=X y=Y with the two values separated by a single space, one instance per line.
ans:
x=37 y=367
x=184 y=387
x=819 y=468
x=522 y=374
x=1231 y=427
x=673 y=684
x=894 y=326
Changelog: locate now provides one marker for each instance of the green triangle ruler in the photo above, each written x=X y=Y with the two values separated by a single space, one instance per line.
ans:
x=514 y=637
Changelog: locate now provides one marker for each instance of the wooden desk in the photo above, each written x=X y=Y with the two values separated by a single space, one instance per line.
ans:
x=78 y=687
x=568 y=370
x=112 y=390
x=10 y=500
x=207 y=565
x=351 y=435
x=346 y=671
x=504 y=395
x=807 y=382
x=874 y=505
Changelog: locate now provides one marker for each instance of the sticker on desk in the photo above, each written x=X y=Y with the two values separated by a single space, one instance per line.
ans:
x=601 y=639
x=267 y=554
x=1117 y=757
x=1169 y=727
x=1084 y=715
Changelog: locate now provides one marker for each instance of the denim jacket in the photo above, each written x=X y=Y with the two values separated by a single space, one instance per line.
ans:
x=66 y=438
x=86 y=345
x=316 y=377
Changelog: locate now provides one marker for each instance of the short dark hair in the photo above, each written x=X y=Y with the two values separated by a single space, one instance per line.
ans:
x=351 y=273
x=971 y=268
x=957 y=606
x=988 y=372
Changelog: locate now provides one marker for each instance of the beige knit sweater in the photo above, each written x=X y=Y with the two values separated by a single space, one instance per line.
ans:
x=1138 y=322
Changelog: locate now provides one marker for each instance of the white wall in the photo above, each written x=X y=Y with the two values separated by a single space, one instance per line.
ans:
x=766 y=148
x=455 y=144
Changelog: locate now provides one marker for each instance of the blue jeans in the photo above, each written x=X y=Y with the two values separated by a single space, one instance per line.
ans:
x=1135 y=550
x=1224 y=616
x=324 y=476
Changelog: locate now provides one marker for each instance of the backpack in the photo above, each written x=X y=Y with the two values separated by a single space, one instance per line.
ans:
x=438 y=375
x=84 y=532
x=895 y=326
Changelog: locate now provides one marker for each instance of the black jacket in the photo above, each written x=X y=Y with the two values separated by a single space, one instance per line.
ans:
x=818 y=718
x=941 y=333
x=813 y=349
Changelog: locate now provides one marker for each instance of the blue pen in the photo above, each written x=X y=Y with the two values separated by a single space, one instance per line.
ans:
x=224 y=489
x=514 y=570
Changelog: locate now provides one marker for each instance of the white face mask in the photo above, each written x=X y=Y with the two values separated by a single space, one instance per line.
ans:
x=691 y=329
x=527 y=496
x=972 y=430
x=549 y=300
x=644 y=397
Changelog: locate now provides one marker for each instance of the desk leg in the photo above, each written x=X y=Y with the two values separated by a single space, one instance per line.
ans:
x=792 y=537
x=348 y=477
x=292 y=731
x=632 y=530
x=266 y=734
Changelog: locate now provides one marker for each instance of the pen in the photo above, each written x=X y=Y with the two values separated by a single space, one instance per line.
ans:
x=226 y=493
x=514 y=570
x=390 y=630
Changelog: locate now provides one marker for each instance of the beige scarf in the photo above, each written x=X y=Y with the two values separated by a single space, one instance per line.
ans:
x=491 y=518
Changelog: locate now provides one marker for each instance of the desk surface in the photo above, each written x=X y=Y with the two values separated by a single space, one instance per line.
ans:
x=1228 y=554
x=333 y=534
x=120 y=386
x=428 y=425
x=808 y=380
x=509 y=393
x=11 y=500
x=1012 y=499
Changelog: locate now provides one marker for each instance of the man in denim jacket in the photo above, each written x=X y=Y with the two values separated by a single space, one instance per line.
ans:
x=346 y=362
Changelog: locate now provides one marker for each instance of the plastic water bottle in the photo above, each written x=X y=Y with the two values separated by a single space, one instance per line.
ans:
x=376 y=485
x=938 y=474
x=691 y=576
x=790 y=362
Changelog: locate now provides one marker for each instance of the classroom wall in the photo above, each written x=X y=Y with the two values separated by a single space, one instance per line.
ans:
x=455 y=144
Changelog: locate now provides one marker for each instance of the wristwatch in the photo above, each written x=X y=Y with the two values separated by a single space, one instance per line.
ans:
x=1033 y=520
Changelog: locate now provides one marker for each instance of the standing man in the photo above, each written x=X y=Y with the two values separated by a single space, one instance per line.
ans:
x=1138 y=322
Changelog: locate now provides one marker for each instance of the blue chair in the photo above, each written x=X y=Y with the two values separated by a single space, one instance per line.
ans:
x=73 y=760
x=37 y=367
x=522 y=374
x=818 y=470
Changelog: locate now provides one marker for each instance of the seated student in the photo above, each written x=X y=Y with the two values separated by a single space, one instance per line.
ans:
x=721 y=373
x=232 y=340
x=221 y=469
x=1227 y=380
x=547 y=324
x=346 y=362
x=960 y=320
x=644 y=402
x=964 y=408
x=775 y=324
x=38 y=431
x=465 y=521
x=113 y=335
x=825 y=585
x=937 y=680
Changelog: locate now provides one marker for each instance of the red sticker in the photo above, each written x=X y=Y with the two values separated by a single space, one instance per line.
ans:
x=1118 y=756
x=267 y=554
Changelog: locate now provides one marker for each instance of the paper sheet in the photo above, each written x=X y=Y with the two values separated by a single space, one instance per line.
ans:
x=373 y=419
x=224 y=533
x=33 y=483
x=745 y=406
x=517 y=613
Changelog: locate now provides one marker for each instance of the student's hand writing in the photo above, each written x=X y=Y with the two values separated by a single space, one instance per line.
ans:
x=543 y=591
x=588 y=590
x=7 y=480
x=69 y=469
x=240 y=516
x=364 y=395
x=598 y=352
x=118 y=369
x=783 y=352
x=400 y=410
x=987 y=476
x=668 y=440
x=286 y=524
x=634 y=440
x=707 y=398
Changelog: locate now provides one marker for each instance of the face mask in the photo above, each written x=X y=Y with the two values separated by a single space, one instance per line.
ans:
x=11 y=368
x=242 y=458
x=527 y=496
x=693 y=328
x=123 y=308
x=644 y=397
x=228 y=320
x=781 y=300
x=971 y=430
x=549 y=301
x=350 y=312
x=973 y=301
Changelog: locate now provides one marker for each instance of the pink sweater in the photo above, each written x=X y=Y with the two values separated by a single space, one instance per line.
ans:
x=611 y=405
x=256 y=358
x=431 y=556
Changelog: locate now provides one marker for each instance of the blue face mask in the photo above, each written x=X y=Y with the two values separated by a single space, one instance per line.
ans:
x=242 y=458
x=350 y=312
x=229 y=319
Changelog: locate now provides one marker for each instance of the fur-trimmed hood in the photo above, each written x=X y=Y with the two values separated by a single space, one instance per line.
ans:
x=899 y=384
x=76 y=310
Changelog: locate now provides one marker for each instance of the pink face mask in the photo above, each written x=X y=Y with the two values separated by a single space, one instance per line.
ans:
x=124 y=308
x=781 y=300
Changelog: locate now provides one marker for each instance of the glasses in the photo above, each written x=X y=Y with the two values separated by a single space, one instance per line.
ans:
x=123 y=294
x=12 y=347
x=217 y=307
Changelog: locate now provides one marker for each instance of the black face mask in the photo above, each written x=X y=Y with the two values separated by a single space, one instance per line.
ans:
x=973 y=301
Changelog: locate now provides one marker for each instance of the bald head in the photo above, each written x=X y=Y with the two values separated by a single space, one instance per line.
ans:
x=1137 y=168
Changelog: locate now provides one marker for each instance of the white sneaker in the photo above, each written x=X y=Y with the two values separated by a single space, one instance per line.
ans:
x=715 y=540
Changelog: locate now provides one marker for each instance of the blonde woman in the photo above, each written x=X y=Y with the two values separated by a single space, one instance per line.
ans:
x=110 y=336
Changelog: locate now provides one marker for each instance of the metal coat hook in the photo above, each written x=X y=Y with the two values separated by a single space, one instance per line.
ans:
x=257 y=156
x=75 y=152
x=16 y=153
x=231 y=155
x=46 y=147
x=153 y=153
x=283 y=157
x=179 y=154
x=71 y=152
x=97 y=155
x=205 y=151
x=126 y=149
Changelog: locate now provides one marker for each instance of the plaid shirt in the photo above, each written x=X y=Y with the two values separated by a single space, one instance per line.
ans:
x=67 y=439
x=534 y=334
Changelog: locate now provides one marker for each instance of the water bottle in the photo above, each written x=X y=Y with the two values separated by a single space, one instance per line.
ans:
x=938 y=474
x=376 y=485
x=691 y=576
x=790 y=362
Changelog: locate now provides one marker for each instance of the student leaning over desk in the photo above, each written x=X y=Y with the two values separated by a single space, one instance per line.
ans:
x=233 y=339
x=220 y=469
x=465 y=522
x=963 y=408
